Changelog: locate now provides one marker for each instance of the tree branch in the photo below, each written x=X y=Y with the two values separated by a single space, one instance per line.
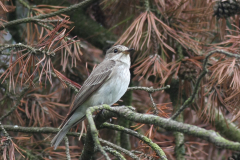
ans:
x=225 y=127
x=171 y=125
x=19 y=45
x=127 y=113
x=42 y=16
x=148 y=141
x=94 y=132
x=149 y=89
x=18 y=100
x=203 y=73
x=130 y=154
x=114 y=152
x=16 y=128
x=67 y=83
x=67 y=148
x=153 y=105
x=24 y=3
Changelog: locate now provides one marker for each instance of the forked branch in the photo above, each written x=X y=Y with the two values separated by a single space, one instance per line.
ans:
x=199 y=79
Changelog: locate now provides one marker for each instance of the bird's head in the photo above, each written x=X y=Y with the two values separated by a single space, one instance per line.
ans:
x=120 y=53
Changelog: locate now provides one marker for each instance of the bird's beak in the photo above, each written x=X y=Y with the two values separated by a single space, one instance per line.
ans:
x=129 y=51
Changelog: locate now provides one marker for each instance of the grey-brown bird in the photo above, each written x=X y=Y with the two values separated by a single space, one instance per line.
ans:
x=106 y=85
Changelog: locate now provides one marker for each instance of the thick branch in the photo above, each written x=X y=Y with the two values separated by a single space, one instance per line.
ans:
x=94 y=133
x=168 y=124
x=225 y=127
x=88 y=149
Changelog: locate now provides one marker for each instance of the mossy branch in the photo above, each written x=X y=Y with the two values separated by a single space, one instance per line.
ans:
x=47 y=130
x=114 y=152
x=67 y=148
x=129 y=114
x=148 y=141
x=171 y=125
x=94 y=132
x=120 y=149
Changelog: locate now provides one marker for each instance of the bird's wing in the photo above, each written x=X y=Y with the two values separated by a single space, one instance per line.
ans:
x=93 y=82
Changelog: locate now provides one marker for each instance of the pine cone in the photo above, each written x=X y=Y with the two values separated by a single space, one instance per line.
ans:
x=95 y=11
x=226 y=8
x=188 y=71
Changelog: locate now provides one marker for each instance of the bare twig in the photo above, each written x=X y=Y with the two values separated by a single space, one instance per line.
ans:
x=154 y=104
x=1 y=99
x=67 y=83
x=4 y=131
x=149 y=90
x=67 y=148
x=203 y=73
x=49 y=21
x=6 y=142
x=19 y=45
x=16 y=128
x=51 y=28
x=24 y=3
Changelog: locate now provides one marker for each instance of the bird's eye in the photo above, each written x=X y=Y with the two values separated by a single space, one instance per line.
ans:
x=115 y=50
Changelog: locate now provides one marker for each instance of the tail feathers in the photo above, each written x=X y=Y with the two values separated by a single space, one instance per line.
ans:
x=71 y=122
x=59 y=137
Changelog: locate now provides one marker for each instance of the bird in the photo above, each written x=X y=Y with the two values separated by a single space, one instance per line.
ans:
x=107 y=83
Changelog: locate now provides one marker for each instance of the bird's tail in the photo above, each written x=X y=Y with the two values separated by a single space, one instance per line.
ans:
x=71 y=122
x=60 y=135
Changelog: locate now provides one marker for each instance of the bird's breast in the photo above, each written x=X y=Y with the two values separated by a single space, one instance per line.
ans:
x=118 y=83
x=114 y=87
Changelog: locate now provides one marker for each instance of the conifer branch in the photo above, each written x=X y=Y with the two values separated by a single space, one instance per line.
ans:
x=42 y=16
x=199 y=79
